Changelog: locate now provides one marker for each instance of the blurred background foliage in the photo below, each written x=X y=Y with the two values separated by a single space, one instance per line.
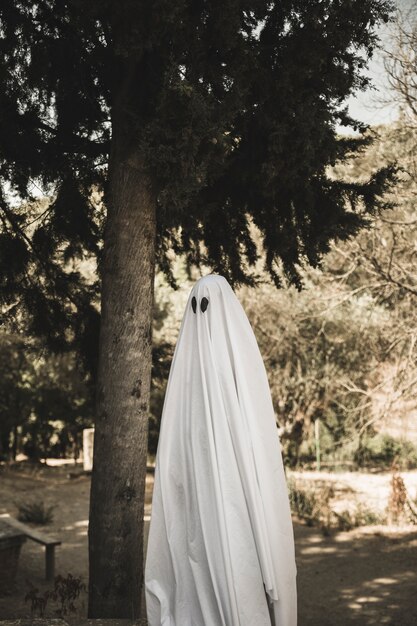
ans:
x=342 y=350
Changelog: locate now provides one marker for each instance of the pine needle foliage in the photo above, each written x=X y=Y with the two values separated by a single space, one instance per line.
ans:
x=230 y=106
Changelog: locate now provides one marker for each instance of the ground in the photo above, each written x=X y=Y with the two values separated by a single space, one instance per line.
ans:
x=363 y=577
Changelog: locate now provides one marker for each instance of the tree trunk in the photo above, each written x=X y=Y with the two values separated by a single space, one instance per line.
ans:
x=123 y=385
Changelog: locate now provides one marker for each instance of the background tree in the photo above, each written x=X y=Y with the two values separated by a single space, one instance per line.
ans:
x=61 y=408
x=381 y=264
x=44 y=400
x=400 y=65
x=15 y=391
x=322 y=349
x=194 y=119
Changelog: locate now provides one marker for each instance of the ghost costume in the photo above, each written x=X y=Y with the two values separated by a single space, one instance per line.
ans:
x=220 y=548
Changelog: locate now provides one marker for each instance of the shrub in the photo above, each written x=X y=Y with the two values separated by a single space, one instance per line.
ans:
x=303 y=503
x=35 y=512
x=65 y=592
x=383 y=450
x=38 y=601
x=311 y=505
x=361 y=516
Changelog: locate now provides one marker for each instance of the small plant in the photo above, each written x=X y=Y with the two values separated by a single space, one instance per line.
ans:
x=325 y=513
x=345 y=520
x=312 y=506
x=38 y=602
x=412 y=510
x=303 y=503
x=66 y=591
x=398 y=497
x=361 y=516
x=401 y=507
x=367 y=517
x=35 y=512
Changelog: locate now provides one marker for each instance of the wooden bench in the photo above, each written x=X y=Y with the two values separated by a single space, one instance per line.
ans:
x=49 y=542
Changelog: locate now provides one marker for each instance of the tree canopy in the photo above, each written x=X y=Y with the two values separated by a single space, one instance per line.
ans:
x=232 y=108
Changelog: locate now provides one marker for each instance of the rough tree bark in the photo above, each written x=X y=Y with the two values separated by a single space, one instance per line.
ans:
x=120 y=441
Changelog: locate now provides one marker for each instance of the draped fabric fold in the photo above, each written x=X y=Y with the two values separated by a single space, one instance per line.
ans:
x=220 y=547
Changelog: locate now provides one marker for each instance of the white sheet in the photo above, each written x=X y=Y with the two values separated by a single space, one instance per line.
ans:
x=221 y=532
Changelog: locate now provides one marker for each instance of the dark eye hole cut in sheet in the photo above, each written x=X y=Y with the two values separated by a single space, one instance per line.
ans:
x=203 y=304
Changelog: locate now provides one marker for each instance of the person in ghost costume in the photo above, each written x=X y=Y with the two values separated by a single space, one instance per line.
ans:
x=221 y=546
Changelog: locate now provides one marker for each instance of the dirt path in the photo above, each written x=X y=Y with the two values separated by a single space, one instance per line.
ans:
x=359 y=578
x=364 y=577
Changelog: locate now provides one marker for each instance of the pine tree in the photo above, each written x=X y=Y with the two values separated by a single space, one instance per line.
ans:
x=194 y=119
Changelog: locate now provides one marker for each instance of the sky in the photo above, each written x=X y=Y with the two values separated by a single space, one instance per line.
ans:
x=368 y=106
